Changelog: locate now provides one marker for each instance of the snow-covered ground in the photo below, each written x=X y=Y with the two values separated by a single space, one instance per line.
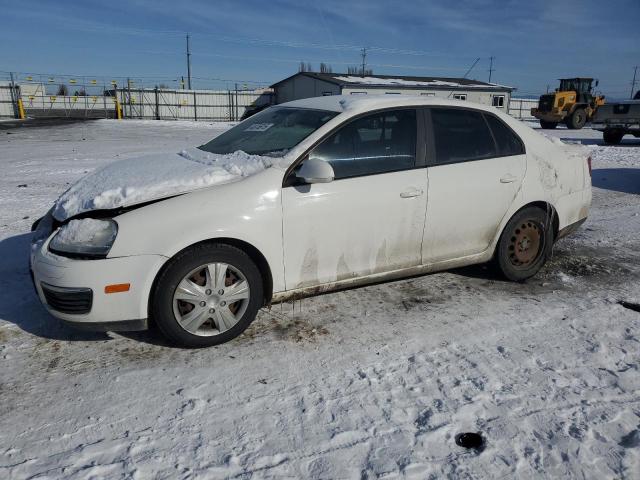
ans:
x=366 y=383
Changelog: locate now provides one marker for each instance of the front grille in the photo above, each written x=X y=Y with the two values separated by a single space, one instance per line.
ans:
x=546 y=103
x=68 y=300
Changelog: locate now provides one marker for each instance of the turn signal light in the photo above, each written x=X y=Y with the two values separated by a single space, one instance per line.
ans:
x=117 y=288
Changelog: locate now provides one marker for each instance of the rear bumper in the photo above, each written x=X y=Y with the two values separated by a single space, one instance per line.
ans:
x=612 y=125
x=63 y=286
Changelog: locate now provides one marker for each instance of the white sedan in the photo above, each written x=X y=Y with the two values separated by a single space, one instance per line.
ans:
x=302 y=198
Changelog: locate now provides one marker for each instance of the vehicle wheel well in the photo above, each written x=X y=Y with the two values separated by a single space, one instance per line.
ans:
x=254 y=254
x=259 y=260
x=547 y=207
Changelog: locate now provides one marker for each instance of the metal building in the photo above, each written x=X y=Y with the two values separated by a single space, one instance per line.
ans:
x=312 y=84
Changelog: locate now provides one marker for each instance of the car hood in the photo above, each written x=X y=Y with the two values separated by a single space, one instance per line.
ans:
x=154 y=177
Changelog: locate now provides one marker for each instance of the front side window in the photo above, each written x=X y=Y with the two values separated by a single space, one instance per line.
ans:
x=272 y=132
x=378 y=143
x=461 y=135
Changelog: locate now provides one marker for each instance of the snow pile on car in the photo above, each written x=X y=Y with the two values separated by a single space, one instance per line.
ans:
x=152 y=177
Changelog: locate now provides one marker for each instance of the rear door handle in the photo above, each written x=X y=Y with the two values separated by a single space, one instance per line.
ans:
x=411 y=193
x=508 y=179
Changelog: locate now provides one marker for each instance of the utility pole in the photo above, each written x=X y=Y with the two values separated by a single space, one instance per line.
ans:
x=633 y=82
x=12 y=92
x=364 y=59
x=129 y=95
x=491 y=70
x=188 y=64
x=235 y=102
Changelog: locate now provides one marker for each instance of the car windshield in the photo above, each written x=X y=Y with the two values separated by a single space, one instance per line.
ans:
x=272 y=132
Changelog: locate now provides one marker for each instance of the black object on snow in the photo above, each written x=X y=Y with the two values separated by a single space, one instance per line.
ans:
x=470 y=440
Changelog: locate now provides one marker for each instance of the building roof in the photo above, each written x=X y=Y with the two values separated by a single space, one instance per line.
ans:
x=400 y=81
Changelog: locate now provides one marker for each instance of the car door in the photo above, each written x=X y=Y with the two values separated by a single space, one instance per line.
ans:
x=476 y=168
x=370 y=218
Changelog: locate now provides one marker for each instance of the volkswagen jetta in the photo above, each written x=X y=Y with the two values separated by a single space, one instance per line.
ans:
x=302 y=198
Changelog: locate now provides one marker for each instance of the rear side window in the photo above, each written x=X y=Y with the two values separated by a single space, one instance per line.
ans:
x=378 y=143
x=508 y=142
x=461 y=135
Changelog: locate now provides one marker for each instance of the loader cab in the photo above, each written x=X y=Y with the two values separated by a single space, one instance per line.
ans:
x=582 y=87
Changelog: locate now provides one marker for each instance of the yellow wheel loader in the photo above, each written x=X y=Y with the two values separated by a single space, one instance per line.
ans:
x=572 y=103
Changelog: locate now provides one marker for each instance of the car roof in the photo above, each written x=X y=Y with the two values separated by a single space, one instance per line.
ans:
x=363 y=103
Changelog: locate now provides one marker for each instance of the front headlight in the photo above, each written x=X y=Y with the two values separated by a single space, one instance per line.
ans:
x=85 y=237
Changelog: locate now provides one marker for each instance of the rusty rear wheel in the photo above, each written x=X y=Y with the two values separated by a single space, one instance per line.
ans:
x=525 y=244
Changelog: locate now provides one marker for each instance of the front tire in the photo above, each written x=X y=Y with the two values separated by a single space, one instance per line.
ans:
x=577 y=119
x=525 y=244
x=207 y=295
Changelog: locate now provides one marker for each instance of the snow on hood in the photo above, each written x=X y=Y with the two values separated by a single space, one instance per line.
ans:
x=152 y=177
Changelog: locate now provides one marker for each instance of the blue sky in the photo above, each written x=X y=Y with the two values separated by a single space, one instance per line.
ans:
x=533 y=42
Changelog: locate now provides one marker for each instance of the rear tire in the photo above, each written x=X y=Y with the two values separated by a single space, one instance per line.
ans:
x=577 y=119
x=548 y=125
x=207 y=295
x=525 y=244
x=612 y=136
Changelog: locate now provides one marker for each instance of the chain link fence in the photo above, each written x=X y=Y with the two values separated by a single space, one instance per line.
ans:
x=521 y=108
x=66 y=96
x=49 y=96
x=217 y=105
x=8 y=94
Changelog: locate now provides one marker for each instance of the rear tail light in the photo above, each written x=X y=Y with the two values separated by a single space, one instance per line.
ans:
x=589 y=164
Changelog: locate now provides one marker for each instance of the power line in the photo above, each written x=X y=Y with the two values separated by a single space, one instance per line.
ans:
x=293 y=60
x=465 y=75
x=60 y=77
x=471 y=68
x=633 y=82
x=259 y=41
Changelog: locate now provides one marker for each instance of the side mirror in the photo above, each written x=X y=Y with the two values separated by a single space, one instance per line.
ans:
x=314 y=170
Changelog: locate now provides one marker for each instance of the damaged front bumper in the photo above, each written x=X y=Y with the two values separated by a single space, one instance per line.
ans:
x=73 y=290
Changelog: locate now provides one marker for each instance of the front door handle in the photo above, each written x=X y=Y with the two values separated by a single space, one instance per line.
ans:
x=508 y=179
x=411 y=193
